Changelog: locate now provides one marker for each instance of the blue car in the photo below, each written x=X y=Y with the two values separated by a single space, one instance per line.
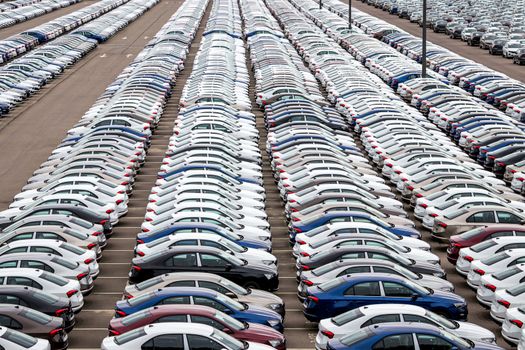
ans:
x=352 y=291
x=173 y=173
x=147 y=237
x=404 y=336
x=327 y=218
x=201 y=296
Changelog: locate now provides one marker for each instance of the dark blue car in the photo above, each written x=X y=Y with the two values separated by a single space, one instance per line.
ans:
x=201 y=296
x=179 y=227
x=405 y=336
x=352 y=291
x=349 y=216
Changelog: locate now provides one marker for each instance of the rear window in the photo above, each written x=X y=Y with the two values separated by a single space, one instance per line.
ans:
x=356 y=337
x=455 y=214
x=19 y=338
x=72 y=248
x=330 y=284
x=46 y=298
x=483 y=246
x=471 y=233
x=81 y=223
x=495 y=259
x=517 y=290
x=148 y=283
x=500 y=276
x=63 y=262
x=95 y=201
x=133 y=318
x=36 y=316
x=55 y=279
x=129 y=336
x=347 y=317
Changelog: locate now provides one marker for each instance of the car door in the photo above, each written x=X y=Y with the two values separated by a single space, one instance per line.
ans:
x=359 y=294
x=215 y=264
x=432 y=342
x=506 y=217
x=393 y=317
x=398 y=293
x=199 y=342
x=177 y=263
x=395 y=342
x=8 y=321
x=164 y=342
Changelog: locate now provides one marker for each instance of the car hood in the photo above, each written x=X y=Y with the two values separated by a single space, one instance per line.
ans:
x=436 y=283
x=448 y=296
x=260 y=297
x=473 y=331
x=258 y=332
x=261 y=311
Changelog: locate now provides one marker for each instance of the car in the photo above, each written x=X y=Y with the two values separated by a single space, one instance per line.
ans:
x=493 y=264
x=352 y=321
x=201 y=296
x=199 y=314
x=406 y=335
x=201 y=259
x=176 y=335
x=504 y=279
x=351 y=291
x=15 y=340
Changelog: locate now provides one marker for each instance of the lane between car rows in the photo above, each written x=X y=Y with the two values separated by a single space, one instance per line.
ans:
x=33 y=22
x=34 y=122
x=115 y=265
x=457 y=46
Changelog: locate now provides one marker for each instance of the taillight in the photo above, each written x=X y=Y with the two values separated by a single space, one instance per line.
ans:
x=96 y=234
x=109 y=211
x=102 y=222
x=118 y=201
x=314 y=299
x=296 y=219
x=55 y=331
x=59 y=312
x=442 y=224
x=308 y=283
x=120 y=313
x=505 y=303
x=81 y=275
x=91 y=245
x=434 y=215
x=304 y=254
x=140 y=241
x=113 y=332
x=423 y=205
x=304 y=267
x=479 y=272
x=300 y=241
x=419 y=195
x=490 y=286
x=329 y=334
x=88 y=261
x=139 y=253
x=71 y=292
x=468 y=258
x=136 y=268
x=518 y=323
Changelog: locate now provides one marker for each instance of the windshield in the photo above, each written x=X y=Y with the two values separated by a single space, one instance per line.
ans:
x=230 y=321
x=441 y=320
x=227 y=341
x=232 y=304
x=233 y=287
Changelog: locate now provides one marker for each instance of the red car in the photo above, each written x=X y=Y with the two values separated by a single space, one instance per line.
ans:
x=200 y=314
x=480 y=234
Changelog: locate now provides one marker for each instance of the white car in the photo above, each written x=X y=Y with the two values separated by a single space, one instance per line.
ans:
x=504 y=279
x=511 y=327
x=505 y=299
x=177 y=334
x=493 y=264
x=353 y=320
x=46 y=281
x=210 y=240
x=11 y=339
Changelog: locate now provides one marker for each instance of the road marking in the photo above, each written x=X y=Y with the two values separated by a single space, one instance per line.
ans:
x=103 y=55
x=129 y=55
x=124 y=38
x=110 y=263
x=110 y=278
x=95 y=310
x=146 y=37
x=91 y=329
x=107 y=293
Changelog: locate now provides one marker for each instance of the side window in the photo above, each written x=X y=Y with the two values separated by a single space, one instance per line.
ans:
x=6 y=321
x=383 y=269
x=209 y=260
x=382 y=319
x=206 y=320
x=198 y=342
x=209 y=302
x=182 y=284
x=355 y=269
x=482 y=216
x=20 y=237
x=212 y=244
x=172 y=318
x=417 y=318
x=395 y=342
x=519 y=233
x=11 y=299
x=393 y=289
x=431 y=342
x=8 y=264
x=213 y=286
x=353 y=256
x=187 y=242
x=182 y=260
x=175 y=300
x=380 y=256
x=364 y=289
x=33 y=264
x=349 y=243
x=22 y=281
x=16 y=250
x=502 y=234
x=507 y=218
x=164 y=342
x=49 y=235
x=517 y=261
x=44 y=250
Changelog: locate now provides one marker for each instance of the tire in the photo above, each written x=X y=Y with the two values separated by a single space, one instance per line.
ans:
x=252 y=285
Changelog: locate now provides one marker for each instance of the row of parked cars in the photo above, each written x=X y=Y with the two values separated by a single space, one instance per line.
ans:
x=14 y=12
x=470 y=114
x=24 y=76
x=55 y=229
x=500 y=32
x=456 y=196
x=19 y=44
x=203 y=271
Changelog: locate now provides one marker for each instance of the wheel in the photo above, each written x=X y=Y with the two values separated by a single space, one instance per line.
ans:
x=251 y=285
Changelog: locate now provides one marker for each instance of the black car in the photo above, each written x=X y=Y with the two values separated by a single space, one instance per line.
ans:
x=496 y=48
x=499 y=154
x=204 y=259
x=61 y=209
x=37 y=300
x=501 y=163
x=363 y=252
x=35 y=323
x=519 y=58
x=440 y=26
x=474 y=39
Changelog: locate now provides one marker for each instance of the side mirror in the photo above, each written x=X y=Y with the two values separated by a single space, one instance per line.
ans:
x=228 y=267
x=522 y=222
x=414 y=296
x=230 y=295
x=227 y=330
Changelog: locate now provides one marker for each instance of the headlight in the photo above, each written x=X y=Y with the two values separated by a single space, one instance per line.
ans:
x=264 y=238
x=269 y=275
x=274 y=306
x=274 y=323
x=268 y=262
x=275 y=342
x=488 y=340
x=459 y=305
x=435 y=262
